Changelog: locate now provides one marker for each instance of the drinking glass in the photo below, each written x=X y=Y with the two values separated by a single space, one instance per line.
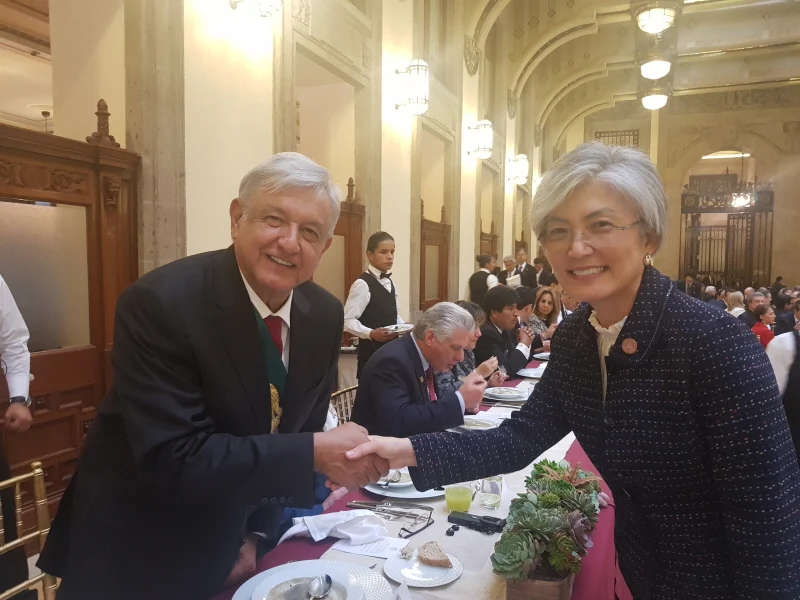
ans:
x=492 y=492
x=459 y=496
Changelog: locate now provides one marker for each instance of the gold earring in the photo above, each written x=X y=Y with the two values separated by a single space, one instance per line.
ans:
x=648 y=261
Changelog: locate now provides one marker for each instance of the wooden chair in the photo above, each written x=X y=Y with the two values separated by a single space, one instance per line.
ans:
x=39 y=534
x=342 y=402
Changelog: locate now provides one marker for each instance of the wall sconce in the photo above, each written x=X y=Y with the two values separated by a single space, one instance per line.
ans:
x=482 y=139
x=416 y=86
x=263 y=8
x=518 y=169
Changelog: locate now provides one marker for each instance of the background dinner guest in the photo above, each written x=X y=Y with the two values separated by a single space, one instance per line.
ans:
x=371 y=305
x=544 y=276
x=510 y=266
x=674 y=402
x=450 y=381
x=17 y=418
x=690 y=287
x=397 y=391
x=499 y=335
x=789 y=321
x=735 y=302
x=763 y=327
x=777 y=286
x=484 y=279
x=224 y=364
x=748 y=317
x=528 y=275
x=545 y=313
x=783 y=356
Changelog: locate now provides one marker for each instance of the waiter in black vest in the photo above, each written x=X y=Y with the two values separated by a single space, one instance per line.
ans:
x=484 y=279
x=372 y=303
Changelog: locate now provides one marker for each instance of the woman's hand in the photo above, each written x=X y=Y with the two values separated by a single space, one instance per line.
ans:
x=397 y=451
x=487 y=367
x=549 y=333
x=497 y=378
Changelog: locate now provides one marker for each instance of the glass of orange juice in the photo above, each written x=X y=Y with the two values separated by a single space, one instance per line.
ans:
x=459 y=496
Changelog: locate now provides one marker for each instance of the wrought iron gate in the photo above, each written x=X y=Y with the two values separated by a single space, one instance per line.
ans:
x=737 y=254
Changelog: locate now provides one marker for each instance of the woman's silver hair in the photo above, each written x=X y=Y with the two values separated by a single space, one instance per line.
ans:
x=628 y=171
x=735 y=300
x=443 y=319
x=291 y=170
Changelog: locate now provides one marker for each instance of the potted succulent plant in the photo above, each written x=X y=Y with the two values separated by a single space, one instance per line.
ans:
x=548 y=532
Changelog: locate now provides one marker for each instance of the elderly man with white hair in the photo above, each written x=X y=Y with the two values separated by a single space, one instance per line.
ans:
x=396 y=391
x=224 y=363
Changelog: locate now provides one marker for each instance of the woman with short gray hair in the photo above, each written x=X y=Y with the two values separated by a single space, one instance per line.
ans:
x=674 y=401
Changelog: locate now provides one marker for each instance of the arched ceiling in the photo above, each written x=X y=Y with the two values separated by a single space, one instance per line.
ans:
x=561 y=50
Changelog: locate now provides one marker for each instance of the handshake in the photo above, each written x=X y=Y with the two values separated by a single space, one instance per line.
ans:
x=350 y=458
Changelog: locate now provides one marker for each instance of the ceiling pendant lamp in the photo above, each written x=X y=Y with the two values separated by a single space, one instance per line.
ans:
x=655 y=69
x=654 y=101
x=656 y=16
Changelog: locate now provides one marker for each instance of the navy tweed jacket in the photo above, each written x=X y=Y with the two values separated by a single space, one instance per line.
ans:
x=692 y=440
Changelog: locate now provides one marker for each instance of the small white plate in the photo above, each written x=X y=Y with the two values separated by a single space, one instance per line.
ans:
x=531 y=373
x=402 y=328
x=374 y=586
x=416 y=574
x=409 y=492
x=405 y=480
x=542 y=356
x=476 y=423
x=505 y=393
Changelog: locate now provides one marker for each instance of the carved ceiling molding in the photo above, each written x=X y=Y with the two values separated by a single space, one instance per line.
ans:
x=301 y=12
x=472 y=44
x=512 y=101
x=110 y=186
x=781 y=97
x=34 y=176
x=621 y=110
x=472 y=55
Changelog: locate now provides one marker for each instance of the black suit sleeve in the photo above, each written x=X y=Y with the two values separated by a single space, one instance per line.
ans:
x=172 y=439
x=784 y=323
x=491 y=344
x=319 y=413
x=387 y=388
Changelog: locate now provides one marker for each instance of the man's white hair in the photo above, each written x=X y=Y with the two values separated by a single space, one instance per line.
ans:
x=287 y=171
x=443 y=319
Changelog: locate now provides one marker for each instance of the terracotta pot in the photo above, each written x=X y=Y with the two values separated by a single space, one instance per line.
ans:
x=534 y=589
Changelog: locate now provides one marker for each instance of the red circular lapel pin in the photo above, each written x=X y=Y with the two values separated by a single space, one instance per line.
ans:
x=629 y=346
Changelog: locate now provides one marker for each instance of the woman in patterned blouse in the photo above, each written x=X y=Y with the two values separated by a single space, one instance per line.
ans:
x=673 y=401
x=451 y=380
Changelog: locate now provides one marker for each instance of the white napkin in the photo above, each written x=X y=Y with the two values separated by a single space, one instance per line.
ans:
x=357 y=526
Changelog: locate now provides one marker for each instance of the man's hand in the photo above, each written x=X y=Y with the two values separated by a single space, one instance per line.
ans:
x=398 y=452
x=18 y=418
x=382 y=335
x=497 y=379
x=472 y=391
x=245 y=565
x=487 y=367
x=329 y=457
x=524 y=336
x=797 y=326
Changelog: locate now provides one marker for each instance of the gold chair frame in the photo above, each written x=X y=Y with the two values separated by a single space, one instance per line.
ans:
x=39 y=534
x=342 y=402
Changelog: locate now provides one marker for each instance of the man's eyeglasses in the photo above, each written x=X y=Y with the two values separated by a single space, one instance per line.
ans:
x=598 y=234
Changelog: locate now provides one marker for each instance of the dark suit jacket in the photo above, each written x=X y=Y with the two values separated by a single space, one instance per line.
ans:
x=502 y=277
x=695 y=291
x=504 y=347
x=720 y=304
x=545 y=277
x=748 y=318
x=392 y=397
x=691 y=438
x=528 y=276
x=179 y=464
x=784 y=323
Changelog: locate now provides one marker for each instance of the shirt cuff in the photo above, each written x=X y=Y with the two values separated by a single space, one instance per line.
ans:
x=526 y=350
x=18 y=384
x=461 y=402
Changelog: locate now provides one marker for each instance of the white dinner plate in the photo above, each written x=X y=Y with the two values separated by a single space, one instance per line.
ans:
x=402 y=328
x=414 y=573
x=476 y=423
x=373 y=584
x=408 y=493
x=505 y=393
x=345 y=585
x=542 y=356
x=531 y=373
x=405 y=480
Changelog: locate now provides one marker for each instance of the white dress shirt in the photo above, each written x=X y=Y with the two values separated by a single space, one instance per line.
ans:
x=357 y=302
x=284 y=313
x=782 y=351
x=14 y=344
x=491 y=280
x=606 y=338
x=425 y=366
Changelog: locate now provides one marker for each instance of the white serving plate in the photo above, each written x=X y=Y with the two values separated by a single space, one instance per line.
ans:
x=542 y=356
x=408 y=493
x=402 y=328
x=414 y=573
x=405 y=480
x=474 y=423
x=505 y=393
x=373 y=585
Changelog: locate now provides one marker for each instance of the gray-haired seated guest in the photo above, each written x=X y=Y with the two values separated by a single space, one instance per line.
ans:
x=397 y=392
x=452 y=380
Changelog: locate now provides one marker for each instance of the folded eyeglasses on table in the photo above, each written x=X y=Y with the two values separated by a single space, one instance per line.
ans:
x=417 y=517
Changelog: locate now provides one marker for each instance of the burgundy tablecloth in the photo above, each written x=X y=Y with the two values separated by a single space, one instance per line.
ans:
x=598 y=579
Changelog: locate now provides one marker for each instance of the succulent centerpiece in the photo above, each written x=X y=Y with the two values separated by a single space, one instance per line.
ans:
x=548 y=531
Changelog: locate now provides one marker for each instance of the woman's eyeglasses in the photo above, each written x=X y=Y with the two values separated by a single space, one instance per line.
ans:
x=598 y=234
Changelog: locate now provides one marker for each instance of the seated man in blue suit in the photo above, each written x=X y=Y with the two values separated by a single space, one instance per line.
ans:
x=396 y=391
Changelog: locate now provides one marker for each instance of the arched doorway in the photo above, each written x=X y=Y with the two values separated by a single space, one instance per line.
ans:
x=726 y=221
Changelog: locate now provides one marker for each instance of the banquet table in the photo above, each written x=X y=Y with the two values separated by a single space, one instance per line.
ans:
x=599 y=578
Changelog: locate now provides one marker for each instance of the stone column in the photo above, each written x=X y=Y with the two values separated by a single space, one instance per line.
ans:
x=469 y=223
x=87 y=41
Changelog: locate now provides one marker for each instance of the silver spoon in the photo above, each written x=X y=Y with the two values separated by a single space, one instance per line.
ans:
x=319 y=587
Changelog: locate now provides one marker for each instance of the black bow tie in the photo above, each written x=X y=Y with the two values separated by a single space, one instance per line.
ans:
x=389 y=275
